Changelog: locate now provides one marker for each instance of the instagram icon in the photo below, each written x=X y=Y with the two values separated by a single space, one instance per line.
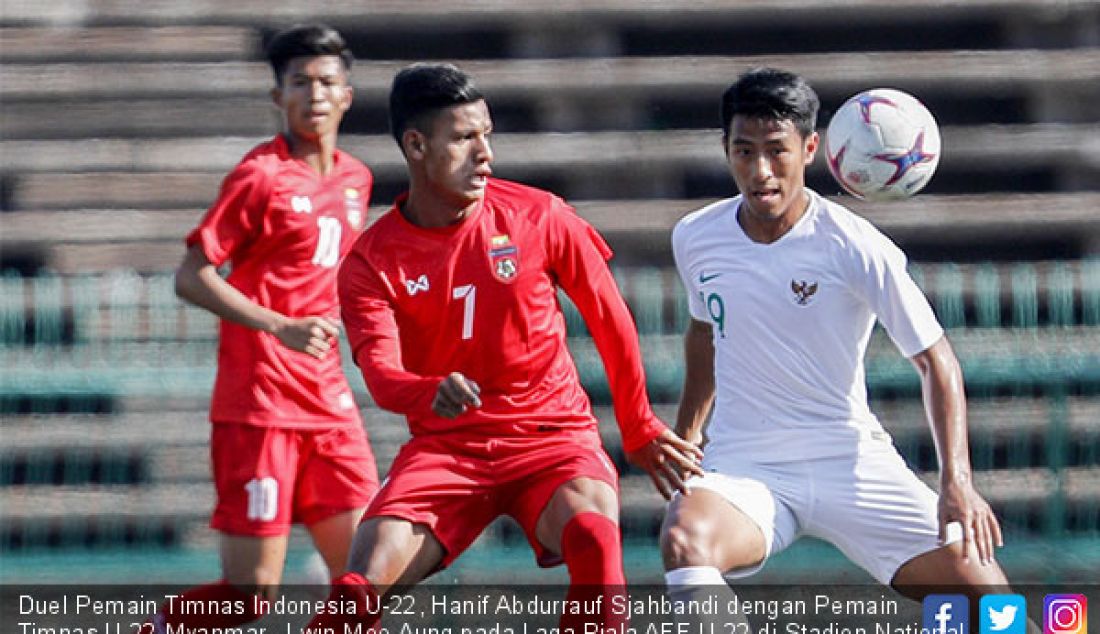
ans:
x=1065 y=614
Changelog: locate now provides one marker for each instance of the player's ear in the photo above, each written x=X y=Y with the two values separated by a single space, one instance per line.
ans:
x=277 y=96
x=812 y=141
x=349 y=95
x=414 y=143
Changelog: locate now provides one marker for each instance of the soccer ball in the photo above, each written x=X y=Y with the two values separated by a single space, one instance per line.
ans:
x=882 y=144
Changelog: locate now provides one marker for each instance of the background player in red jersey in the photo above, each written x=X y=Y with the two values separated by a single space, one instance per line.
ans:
x=450 y=303
x=287 y=443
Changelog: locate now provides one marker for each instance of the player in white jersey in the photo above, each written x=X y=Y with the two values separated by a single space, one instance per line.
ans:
x=784 y=288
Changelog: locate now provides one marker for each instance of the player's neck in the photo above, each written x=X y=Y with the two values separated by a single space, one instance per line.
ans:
x=431 y=212
x=319 y=153
x=766 y=230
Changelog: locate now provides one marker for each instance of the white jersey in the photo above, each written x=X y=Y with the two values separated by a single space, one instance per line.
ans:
x=791 y=322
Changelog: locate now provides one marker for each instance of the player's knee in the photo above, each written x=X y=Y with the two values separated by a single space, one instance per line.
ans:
x=946 y=567
x=685 y=544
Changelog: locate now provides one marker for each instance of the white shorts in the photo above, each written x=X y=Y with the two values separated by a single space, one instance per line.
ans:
x=869 y=504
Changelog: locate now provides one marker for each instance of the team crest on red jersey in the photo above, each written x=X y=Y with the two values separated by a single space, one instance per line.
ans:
x=503 y=258
x=353 y=207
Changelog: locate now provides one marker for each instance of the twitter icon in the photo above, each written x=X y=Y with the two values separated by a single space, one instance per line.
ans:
x=1003 y=614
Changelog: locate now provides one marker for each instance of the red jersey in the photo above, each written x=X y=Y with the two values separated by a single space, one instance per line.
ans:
x=284 y=228
x=480 y=297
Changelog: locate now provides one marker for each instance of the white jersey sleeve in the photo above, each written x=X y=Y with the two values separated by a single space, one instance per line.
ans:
x=892 y=295
x=694 y=300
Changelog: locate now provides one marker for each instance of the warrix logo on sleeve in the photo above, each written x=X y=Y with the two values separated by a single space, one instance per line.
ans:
x=414 y=286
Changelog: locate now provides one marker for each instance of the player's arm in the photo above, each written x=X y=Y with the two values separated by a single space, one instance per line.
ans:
x=582 y=271
x=647 y=441
x=697 y=397
x=198 y=281
x=367 y=312
x=945 y=406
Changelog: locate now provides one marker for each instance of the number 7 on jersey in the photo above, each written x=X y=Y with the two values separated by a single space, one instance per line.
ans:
x=467 y=293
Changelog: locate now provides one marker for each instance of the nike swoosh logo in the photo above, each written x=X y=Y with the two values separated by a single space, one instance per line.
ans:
x=704 y=278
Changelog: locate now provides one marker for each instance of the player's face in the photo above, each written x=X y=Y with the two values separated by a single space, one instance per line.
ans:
x=456 y=155
x=768 y=160
x=314 y=95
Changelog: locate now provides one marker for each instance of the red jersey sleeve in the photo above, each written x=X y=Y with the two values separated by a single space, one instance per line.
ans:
x=368 y=316
x=236 y=216
x=578 y=257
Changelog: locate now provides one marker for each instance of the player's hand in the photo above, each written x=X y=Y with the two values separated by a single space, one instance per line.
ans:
x=669 y=460
x=455 y=395
x=315 y=336
x=960 y=502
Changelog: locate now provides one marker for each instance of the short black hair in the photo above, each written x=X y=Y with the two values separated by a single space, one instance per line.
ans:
x=306 y=40
x=770 y=93
x=421 y=90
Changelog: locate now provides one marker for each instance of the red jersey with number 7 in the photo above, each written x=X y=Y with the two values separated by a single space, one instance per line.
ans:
x=480 y=297
x=284 y=229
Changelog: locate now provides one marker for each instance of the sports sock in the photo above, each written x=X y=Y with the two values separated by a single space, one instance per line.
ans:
x=350 y=587
x=704 y=599
x=593 y=553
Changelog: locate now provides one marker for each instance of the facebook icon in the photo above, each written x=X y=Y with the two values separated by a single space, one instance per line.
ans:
x=945 y=614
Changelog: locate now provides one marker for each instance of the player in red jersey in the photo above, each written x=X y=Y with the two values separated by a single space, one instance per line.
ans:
x=450 y=304
x=287 y=442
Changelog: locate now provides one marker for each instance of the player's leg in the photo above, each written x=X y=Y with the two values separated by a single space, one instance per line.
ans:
x=424 y=516
x=336 y=481
x=251 y=570
x=254 y=564
x=884 y=518
x=943 y=571
x=254 y=477
x=704 y=530
x=702 y=536
x=725 y=524
x=332 y=538
x=386 y=552
x=945 y=567
x=394 y=552
x=563 y=491
x=581 y=524
x=567 y=503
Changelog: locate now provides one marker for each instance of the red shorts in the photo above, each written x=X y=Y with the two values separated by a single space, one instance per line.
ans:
x=269 y=477
x=457 y=485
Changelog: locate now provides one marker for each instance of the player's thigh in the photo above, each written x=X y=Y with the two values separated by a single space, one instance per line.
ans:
x=437 y=484
x=703 y=528
x=255 y=470
x=548 y=480
x=873 y=508
x=391 y=551
x=337 y=473
x=254 y=564
x=579 y=495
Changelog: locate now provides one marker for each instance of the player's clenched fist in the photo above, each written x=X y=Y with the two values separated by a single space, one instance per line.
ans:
x=314 y=336
x=456 y=393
